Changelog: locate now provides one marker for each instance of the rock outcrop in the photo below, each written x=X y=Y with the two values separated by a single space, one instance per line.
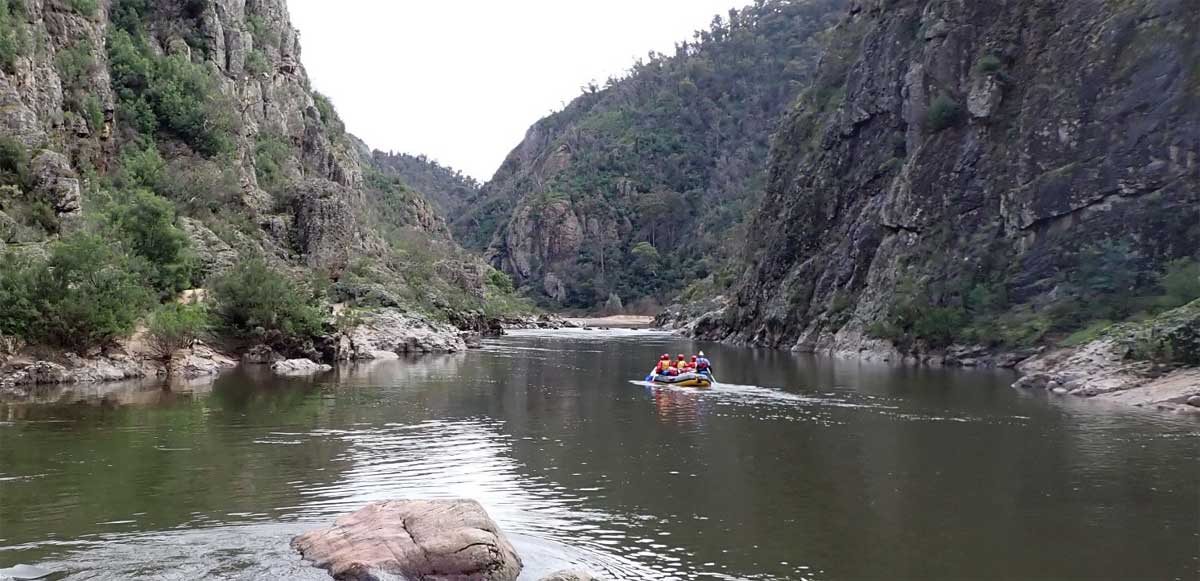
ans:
x=1150 y=364
x=299 y=367
x=117 y=363
x=955 y=159
x=413 y=539
x=385 y=333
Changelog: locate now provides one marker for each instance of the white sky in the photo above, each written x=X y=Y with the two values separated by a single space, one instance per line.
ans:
x=461 y=80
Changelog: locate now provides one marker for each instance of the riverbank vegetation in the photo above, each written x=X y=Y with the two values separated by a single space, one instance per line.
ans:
x=1112 y=283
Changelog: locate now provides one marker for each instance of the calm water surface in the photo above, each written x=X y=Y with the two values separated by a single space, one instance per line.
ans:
x=793 y=468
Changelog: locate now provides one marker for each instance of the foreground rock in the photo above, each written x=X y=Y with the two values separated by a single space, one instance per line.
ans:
x=415 y=539
x=299 y=367
x=1152 y=364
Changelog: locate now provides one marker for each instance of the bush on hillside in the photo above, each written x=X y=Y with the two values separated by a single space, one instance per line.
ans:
x=87 y=8
x=175 y=326
x=14 y=163
x=85 y=295
x=14 y=34
x=145 y=222
x=1180 y=283
x=253 y=297
x=170 y=94
x=944 y=113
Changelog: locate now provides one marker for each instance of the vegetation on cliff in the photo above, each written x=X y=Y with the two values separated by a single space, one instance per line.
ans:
x=636 y=188
x=449 y=189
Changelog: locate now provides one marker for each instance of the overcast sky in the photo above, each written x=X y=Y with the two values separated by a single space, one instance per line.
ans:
x=461 y=80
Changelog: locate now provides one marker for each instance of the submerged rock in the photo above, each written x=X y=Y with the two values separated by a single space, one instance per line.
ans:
x=24 y=572
x=299 y=367
x=570 y=575
x=415 y=539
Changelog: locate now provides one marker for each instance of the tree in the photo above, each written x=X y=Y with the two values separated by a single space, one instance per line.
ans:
x=146 y=223
x=175 y=326
x=87 y=293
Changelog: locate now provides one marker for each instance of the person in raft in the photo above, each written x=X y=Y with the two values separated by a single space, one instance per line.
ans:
x=681 y=366
x=703 y=365
x=664 y=365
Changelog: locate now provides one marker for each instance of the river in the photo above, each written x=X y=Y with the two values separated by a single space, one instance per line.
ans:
x=793 y=467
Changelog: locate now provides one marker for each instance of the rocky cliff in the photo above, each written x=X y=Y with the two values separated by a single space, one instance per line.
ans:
x=633 y=189
x=207 y=104
x=985 y=172
x=152 y=148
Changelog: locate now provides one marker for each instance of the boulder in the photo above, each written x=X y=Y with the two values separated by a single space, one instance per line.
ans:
x=43 y=372
x=299 y=367
x=200 y=361
x=1194 y=401
x=414 y=539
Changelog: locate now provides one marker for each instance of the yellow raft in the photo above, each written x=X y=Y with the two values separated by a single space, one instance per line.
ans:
x=685 y=380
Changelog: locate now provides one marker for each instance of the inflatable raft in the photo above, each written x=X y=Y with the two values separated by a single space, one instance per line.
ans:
x=685 y=380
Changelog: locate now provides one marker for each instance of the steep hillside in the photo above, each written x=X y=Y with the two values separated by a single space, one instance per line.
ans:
x=987 y=173
x=449 y=189
x=162 y=144
x=633 y=189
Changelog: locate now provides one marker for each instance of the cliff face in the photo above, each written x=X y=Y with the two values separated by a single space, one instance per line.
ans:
x=963 y=165
x=633 y=188
x=212 y=97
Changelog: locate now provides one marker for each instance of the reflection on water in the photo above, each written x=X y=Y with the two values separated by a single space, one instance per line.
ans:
x=790 y=468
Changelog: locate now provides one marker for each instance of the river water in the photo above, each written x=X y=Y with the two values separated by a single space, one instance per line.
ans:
x=793 y=467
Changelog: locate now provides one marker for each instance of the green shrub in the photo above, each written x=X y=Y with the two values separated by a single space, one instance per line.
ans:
x=944 y=113
x=939 y=326
x=203 y=187
x=257 y=63
x=1087 y=334
x=88 y=294
x=129 y=15
x=253 y=296
x=76 y=63
x=142 y=167
x=175 y=326
x=94 y=113
x=500 y=281
x=14 y=163
x=329 y=117
x=44 y=216
x=146 y=223
x=1180 y=283
x=14 y=34
x=19 y=303
x=87 y=8
x=261 y=32
x=988 y=64
x=270 y=154
x=170 y=94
